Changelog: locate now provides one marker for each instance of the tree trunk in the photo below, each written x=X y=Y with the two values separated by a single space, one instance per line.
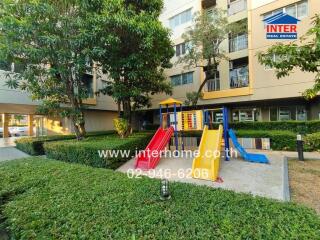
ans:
x=119 y=108
x=126 y=105
x=209 y=74
x=127 y=110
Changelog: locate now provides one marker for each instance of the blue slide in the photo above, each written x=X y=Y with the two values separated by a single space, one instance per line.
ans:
x=250 y=157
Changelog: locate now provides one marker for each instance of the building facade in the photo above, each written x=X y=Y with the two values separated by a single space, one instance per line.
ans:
x=99 y=115
x=251 y=90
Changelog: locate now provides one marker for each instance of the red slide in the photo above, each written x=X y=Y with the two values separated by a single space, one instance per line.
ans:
x=149 y=158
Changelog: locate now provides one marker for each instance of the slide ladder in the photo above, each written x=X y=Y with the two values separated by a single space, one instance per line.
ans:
x=149 y=158
x=207 y=164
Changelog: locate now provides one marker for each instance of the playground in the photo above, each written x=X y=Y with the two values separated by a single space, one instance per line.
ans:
x=236 y=174
x=218 y=160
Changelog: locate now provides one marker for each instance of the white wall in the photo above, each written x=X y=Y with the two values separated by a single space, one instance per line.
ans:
x=13 y=96
x=172 y=8
x=259 y=3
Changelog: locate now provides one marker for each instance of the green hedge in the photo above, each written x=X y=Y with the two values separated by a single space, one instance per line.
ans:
x=34 y=145
x=47 y=199
x=87 y=151
x=279 y=140
x=313 y=141
x=302 y=127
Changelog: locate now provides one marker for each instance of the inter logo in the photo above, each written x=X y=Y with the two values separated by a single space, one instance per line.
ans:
x=281 y=26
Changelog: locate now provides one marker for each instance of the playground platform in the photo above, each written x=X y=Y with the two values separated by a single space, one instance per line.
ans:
x=267 y=180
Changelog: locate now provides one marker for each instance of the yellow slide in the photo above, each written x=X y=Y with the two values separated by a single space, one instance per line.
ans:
x=206 y=165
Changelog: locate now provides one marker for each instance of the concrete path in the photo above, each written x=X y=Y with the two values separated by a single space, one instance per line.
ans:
x=7 y=142
x=267 y=180
x=10 y=153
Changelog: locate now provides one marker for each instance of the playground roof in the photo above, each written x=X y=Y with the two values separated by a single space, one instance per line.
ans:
x=170 y=101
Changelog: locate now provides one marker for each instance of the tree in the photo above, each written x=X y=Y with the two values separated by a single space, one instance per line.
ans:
x=18 y=118
x=57 y=42
x=285 y=58
x=136 y=60
x=204 y=40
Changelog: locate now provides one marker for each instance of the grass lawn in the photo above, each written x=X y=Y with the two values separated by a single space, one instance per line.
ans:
x=47 y=199
x=304 y=177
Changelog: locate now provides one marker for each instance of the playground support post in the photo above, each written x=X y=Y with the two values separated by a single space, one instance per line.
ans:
x=182 y=142
x=225 y=132
x=175 y=126
x=160 y=116
x=168 y=116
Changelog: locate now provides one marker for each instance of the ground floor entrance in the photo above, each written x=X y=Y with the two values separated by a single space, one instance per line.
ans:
x=20 y=125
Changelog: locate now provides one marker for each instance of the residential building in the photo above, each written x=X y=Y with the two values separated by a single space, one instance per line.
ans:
x=98 y=116
x=249 y=89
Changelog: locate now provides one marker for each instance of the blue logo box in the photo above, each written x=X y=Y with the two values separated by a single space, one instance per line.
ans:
x=281 y=35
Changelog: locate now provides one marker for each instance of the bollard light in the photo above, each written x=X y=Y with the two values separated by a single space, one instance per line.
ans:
x=300 y=147
x=164 y=190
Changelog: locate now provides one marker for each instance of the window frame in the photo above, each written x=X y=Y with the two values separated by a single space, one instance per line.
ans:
x=284 y=10
x=180 y=18
x=189 y=80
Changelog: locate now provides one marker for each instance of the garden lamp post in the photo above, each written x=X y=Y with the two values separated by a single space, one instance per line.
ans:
x=300 y=147
x=164 y=190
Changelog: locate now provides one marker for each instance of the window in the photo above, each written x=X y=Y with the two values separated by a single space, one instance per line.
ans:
x=182 y=79
x=284 y=114
x=213 y=84
x=301 y=114
x=180 y=19
x=273 y=114
x=302 y=9
x=180 y=49
x=238 y=42
x=276 y=59
x=298 y=113
x=246 y=115
x=298 y=10
x=215 y=116
x=87 y=81
x=239 y=77
x=236 y=6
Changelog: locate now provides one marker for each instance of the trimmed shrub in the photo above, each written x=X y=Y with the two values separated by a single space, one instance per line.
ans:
x=302 y=127
x=47 y=199
x=313 y=141
x=279 y=140
x=95 y=151
x=34 y=145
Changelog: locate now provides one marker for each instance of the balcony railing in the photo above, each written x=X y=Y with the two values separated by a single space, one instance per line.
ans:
x=239 y=77
x=212 y=85
x=237 y=6
x=238 y=43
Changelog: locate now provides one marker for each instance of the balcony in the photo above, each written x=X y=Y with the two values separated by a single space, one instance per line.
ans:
x=238 y=43
x=208 y=3
x=236 y=6
x=212 y=85
x=239 y=77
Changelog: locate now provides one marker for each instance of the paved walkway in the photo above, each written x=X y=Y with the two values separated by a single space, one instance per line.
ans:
x=10 y=153
x=7 y=142
x=267 y=180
